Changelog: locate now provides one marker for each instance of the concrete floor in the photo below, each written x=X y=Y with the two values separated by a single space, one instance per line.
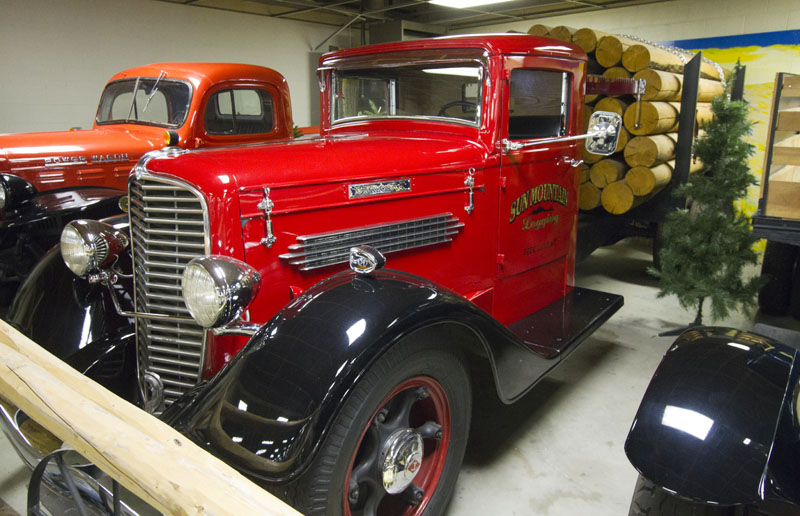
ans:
x=559 y=450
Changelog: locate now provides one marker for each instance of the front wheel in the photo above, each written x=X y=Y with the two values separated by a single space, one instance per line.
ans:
x=651 y=500
x=396 y=446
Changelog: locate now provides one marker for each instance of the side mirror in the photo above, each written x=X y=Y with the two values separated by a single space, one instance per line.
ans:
x=604 y=129
x=602 y=138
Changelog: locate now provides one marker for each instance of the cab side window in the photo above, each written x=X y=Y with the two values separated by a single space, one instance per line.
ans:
x=239 y=111
x=538 y=104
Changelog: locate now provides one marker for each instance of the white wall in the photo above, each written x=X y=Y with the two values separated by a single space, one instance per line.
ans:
x=57 y=56
x=676 y=20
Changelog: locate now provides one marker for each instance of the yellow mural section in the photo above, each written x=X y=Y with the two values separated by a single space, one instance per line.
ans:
x=762 y=64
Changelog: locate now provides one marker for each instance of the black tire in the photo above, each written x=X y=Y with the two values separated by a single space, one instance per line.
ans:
x=650 y=500
x=354 y=438
x=778 y=268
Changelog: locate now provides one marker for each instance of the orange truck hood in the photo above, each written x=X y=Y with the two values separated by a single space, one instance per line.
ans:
x=101 y=156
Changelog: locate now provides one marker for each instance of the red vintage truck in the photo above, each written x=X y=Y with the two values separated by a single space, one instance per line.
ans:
x=50 y=178
x=455 y=160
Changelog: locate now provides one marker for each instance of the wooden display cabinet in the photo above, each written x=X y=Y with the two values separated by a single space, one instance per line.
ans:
x=780 y=181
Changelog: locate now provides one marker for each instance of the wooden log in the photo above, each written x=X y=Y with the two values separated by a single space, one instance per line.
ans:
x=624 y=138
x=588 y=157
x=607 y=171
x=704 y=113
x=584 y=173
x=152 y=460
x=587 y=38
x=651 y=117
x=642 y=55
x=617 y=198
x=644 y=180
x=668 y=86
x=610 y=49
x=612 y=104
x=658 y=117
x=539 y=30
x=648 y=150
x=588 y=196
x=562 y=33
x=617 y=72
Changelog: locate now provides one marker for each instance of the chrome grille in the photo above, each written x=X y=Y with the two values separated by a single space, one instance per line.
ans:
x=324 y=249
x=169 y=222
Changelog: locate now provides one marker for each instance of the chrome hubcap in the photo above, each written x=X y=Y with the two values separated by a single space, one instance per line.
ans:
x=401 y=460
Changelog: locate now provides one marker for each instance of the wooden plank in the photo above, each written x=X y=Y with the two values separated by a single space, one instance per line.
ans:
x=142 y=453
x=790 y=174
x=785 y=156
x=791 y=86
x=782 y=196
x=791 y=141
x=788 y=120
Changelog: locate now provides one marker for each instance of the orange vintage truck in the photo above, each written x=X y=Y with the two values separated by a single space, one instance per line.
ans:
x=50 y=178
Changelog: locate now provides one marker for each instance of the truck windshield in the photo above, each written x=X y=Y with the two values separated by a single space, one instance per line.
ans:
x=449 y=92
x=145 y=100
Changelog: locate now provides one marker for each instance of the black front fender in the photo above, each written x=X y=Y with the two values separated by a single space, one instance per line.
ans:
x=707 y=423
x=268 y=410
x=76 y=321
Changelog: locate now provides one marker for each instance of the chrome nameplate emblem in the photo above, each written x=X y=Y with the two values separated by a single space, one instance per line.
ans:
x=110 y=158
x=58 y=161
x=379 y=188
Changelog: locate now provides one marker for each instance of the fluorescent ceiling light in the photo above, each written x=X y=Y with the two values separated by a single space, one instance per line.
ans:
x=461 y=4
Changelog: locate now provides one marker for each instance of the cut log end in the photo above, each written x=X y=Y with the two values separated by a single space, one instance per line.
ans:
x=617 y=198
x=588 y=197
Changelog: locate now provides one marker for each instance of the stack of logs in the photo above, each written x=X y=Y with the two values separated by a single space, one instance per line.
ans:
x=643 y=163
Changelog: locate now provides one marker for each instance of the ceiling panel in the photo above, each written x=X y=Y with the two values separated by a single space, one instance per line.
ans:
x=339 y=13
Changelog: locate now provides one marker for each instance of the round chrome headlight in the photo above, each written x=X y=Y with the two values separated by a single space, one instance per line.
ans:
x=76 y=253
x=15 y=192
x=217 y=289
x=88 y=245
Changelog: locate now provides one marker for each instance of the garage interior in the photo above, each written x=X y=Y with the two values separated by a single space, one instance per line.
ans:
x=560 y=450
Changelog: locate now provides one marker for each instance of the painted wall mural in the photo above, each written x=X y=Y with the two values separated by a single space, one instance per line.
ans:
x=764 y=54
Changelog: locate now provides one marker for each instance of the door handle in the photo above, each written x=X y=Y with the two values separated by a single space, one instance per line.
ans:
x=571 y=162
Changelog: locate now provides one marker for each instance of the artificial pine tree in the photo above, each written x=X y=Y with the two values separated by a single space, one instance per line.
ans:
x=707 y=245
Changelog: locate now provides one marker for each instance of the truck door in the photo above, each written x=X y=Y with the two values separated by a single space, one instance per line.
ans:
x=538 y=205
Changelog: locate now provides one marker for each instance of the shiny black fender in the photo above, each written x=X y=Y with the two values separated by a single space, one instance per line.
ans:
x=718 y=422
x=76 y=321
x=28 y=232
x=267 y=411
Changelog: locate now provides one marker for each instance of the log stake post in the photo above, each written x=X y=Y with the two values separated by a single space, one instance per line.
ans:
x=687 y=119
x=641 y=85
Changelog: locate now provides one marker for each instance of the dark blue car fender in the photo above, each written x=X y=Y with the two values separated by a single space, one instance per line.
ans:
x=267 y=412
x=717 y=423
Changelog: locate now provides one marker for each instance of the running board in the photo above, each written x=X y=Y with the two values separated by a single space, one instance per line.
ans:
x=558 y=328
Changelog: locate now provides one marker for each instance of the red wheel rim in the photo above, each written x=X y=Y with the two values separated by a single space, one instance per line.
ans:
x=434 y=407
